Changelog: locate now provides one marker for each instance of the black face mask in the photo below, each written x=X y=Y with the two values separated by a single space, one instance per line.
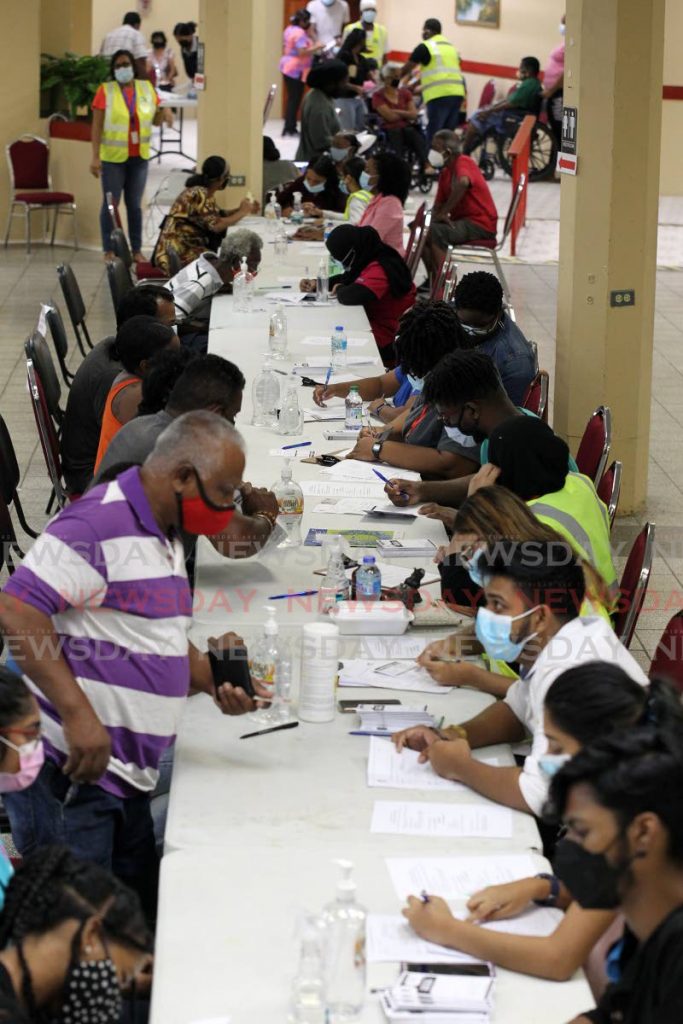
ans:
x=590 y=878
x=395 y=82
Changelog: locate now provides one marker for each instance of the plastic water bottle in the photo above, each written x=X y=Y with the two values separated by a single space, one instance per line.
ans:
x=271 y=213
x=282 y=705
x=242 y=289
x=368 y=580
x=297 y=214
x=281 y=242
x=265 y=397
x=290 y=499
x=264 y=654
x=323 y=291
x=339 y=345
x=335 y=586
x=344 y=922
x=291 y=414
x=277 y=333
x=353 y=419
x=308 y=988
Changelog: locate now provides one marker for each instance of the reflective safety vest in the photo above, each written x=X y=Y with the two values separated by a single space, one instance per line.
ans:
x=114 y=144
x=442 y=76
x=578 y=515
x=361 y=194
x=376 y=46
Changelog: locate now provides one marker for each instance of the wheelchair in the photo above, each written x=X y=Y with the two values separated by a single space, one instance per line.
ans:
x=418 y=179
x=494 y=144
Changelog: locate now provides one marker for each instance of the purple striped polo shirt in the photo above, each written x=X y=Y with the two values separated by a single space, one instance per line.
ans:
x=116 y=590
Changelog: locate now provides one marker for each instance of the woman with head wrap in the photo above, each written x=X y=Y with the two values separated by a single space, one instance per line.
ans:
x=319 y=121
x=374 y=277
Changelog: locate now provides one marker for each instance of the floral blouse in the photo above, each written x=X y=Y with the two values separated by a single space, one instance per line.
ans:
x=190 y=227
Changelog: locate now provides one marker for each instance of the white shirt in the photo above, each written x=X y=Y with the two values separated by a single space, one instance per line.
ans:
x=194 y=283
x=125 y=37
x=579 y=641
x=328 y=21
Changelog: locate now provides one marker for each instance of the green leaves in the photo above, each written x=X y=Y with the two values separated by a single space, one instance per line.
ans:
x=79 y=77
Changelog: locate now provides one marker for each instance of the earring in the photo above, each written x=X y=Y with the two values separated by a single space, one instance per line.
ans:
x=88 y=949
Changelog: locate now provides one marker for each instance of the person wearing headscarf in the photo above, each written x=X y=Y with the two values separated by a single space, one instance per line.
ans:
x=319 y=188
x=319 y=121
x=374 y=277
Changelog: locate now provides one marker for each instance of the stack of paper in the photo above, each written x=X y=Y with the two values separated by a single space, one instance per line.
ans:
x=484 y=820
x=354 y=469
x=342 y=489
x=456 y=878
x=385 y=719
x=413 y=547
x=320 y=364
x=387 y=768
x=389 y=675
x=324 y=415
x=443 y=998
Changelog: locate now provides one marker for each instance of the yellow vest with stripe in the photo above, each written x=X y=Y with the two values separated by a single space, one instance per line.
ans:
x=114 y=144
x=578 y=515
x=375 y=47
x=362 y=194
x=442 y=76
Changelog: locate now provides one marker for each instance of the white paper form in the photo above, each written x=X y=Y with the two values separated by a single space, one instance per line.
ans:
x=324 y=415
x=287 y=296
x=341 y=489
x=321 y=363
x=354 y=469
x=456 y=878
x=410 y=818
x=387 y=768
x=386 y=647
x=319 y=339
x=357 y=672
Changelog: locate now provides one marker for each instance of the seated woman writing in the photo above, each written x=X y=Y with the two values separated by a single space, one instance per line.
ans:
x=319 y=188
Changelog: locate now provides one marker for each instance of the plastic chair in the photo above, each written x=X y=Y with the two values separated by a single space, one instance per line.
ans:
x=609 y=489
x=75 y=305
x=486 y=247
x=53 y=319
x=119 y=279
x=418 y=238
x=49 y=441
x=440 y=279
x=668 y=658
x=28 y=159
x=634 y=583
x=270 y=99
x=36 y=350
x=536 y=397
x=10 y=477
x=596 y=442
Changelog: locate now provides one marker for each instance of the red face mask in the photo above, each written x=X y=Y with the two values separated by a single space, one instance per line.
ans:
x=201 y=516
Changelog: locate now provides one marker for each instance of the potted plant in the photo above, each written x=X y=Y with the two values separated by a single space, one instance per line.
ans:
x=69 y=83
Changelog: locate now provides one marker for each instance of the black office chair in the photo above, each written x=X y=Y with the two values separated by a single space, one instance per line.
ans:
x=10 y=477
x=120 y=282
x=36 y=350
x=75 y=305
x=53 y=319
x=174 y=264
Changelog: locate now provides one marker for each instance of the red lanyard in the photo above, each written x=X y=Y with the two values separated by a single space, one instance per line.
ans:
x=418 y=419
x=131 y=105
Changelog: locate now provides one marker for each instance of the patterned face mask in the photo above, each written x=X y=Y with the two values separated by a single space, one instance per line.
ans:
x=92 y=994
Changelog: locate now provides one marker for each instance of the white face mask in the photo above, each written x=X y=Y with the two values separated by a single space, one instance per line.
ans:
x=562 y=28
x=550 y=764
x=466 y=440
x=369 y=17
x=435 y=158
x=416 y=383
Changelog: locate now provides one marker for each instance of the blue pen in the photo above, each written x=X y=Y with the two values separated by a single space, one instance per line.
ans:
x=284 y=597
x=424 y=897
x=329 y=374
x=301 y=444
x=385 y=481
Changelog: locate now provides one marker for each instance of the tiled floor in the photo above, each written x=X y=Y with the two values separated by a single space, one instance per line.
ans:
x=24 y=282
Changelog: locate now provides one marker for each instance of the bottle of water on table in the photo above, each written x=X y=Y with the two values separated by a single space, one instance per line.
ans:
x=290 y=499
x=323 y=280
x=368 y=580
x=338 y=348
x=265 y=397
x=277 y=332
x=291 y=414
x=353 y=419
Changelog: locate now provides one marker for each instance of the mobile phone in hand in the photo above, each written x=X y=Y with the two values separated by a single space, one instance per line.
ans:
x=231 y=665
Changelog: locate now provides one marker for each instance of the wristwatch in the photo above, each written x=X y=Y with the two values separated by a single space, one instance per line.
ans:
x=377 y=450
x=551 y=900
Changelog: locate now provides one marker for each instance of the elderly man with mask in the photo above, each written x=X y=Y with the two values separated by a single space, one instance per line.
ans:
x=96 y=619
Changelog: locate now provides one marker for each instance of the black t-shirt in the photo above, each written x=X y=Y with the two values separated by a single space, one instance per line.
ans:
x=650 y=990
x=359 y=69
x=10 y=1010
x=84 y=411
x=420 y=55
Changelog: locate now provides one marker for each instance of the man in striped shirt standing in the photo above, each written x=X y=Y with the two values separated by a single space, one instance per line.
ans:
x=96 y=619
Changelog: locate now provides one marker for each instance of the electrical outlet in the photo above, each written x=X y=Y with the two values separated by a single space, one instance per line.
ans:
x=237 y=181
x=622 y=297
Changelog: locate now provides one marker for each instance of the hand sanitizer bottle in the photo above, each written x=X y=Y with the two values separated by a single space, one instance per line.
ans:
x=344 y=921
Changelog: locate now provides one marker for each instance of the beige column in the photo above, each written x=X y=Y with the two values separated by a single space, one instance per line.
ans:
x=65 y=25
x=19 y=98
x=230 y=111
x=608 y=227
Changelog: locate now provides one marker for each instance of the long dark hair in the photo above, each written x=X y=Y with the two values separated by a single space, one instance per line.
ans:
x=115 y=57
x=213 y=169
x=393 y=176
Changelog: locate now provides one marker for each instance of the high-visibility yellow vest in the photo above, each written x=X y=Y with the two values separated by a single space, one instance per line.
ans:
x=578 y=515
x=114 y=144
x=376 y=46
x=362 y=194
x=442 y=76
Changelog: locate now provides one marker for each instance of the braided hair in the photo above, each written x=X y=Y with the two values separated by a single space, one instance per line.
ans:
x=426 y=333
x=52 y=886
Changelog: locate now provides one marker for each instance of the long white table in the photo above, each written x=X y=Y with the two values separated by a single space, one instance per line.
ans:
x=254 y=825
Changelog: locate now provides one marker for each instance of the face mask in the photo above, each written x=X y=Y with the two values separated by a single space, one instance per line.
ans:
x=343 y=188
x=124 y=75
x=364 y=180
x=31 y=758
x=201 y=516
x=472 y=567
x=457 y=435
x=337 y=153
x=590 y=878
x=416 y=383
x=550 y=764
x=328 y=3
x=91 y=990
x=314 y=189
x=562 y=28
x=394 y=83
x=369 y=17
x=493 y=633
x=480 y=332
x=435 y=158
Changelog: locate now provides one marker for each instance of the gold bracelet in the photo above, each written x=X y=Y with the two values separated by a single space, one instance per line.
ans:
x=460 y=732
x=268 y=516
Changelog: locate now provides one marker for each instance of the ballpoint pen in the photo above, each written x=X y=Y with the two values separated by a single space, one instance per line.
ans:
x=385 y=481
x=274 y=728
x=329 y=374
x=424 y=897
x=300 y=444
x=284 y=597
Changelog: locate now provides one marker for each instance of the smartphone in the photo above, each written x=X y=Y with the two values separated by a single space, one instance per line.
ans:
x=471 y=970
x=347 y=706
x=231 y=665
x=327 y=460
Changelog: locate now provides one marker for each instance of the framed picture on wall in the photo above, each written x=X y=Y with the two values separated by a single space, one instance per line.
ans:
x=479 y=13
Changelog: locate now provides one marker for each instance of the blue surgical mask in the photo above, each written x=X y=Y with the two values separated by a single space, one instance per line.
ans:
x=314 y=189
x=416 y=383
x=343 y=189
x=337 y=153
x=493 y=633
x=457 y=435
x=364 y=180
x=472 y=567
x=328 y=3
x=550 y=764
x=369 y=17
x=124 y=75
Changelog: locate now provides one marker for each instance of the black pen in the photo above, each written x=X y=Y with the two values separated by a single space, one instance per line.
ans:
x=273 y=728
